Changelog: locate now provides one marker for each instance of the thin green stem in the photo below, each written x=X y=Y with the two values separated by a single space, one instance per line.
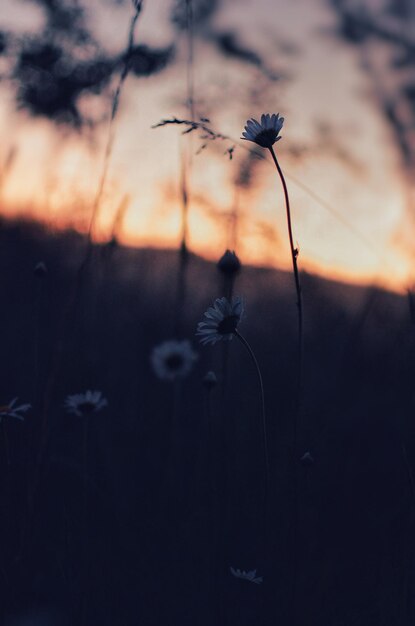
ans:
x=85 y=518
x=263 y=417
x=190 y=59
x=6 y=443
x=227 y=290
x=183 y=250
x=110 y=134
x=212 y=556
x=294 y=256
x=408 y=469
x=186 y=163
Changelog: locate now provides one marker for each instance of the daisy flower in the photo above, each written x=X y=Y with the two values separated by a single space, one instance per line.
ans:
x=83 y=404
x=173 y=359
x=265 y=134
x=40 y=269
x=307 y=459
x=221 y=321
x=11 y=410
x=251 y=575
x=210 y=380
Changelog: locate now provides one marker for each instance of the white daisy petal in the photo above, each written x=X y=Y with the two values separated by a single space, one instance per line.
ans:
x=174 y=359
x=266 y=133
x=11 y=410
x=213 y=314
x=256 y=127
x=223 y=323
x=84 y=404
x=250 y=575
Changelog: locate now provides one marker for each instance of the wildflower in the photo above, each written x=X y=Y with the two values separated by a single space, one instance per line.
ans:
x=251 y=575
x=307 y=459
x=229 y=263
x=173 y=359
x=83 y=404
x=221 y=321
x=40 y=270
x=265 y=134
x=210 y=381
x=10 y=410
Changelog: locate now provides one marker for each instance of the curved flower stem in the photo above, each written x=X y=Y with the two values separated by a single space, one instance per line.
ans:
x=186 y=165
x=110 y=133
x=213 y=508
x=183 y=259
x=190 y=58
x=264 y=425
x=408 y=469
x=6 y=443
x=85 y=518
x=227 y=287
x=294 y=256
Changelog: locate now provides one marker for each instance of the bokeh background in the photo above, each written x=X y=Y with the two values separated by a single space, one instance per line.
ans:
x=136 y=515
x=340 y=72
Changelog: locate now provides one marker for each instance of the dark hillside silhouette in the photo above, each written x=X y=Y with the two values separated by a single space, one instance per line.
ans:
x=139 y=550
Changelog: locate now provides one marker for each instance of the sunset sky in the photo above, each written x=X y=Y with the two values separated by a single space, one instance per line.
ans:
x=347 y=191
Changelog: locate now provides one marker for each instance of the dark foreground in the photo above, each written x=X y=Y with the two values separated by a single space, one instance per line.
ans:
x=140 y=521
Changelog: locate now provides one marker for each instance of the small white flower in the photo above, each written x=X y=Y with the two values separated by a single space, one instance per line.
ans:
x=307 y=459
x=173 y=359
x=265 y=134
x=11 y=410
x=221 y=320
x=83 y=404
x=210 y=380
x=40 y=270
x=250 y=575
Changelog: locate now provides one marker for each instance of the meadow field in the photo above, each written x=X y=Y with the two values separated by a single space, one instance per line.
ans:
x=142 y=521
x=207 y=309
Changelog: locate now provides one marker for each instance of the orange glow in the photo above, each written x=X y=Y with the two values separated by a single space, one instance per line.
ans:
x=351 y=234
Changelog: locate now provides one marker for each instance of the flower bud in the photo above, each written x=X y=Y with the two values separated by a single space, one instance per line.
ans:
x=229 y=263
x=307 y=459
x=210 y=381
x=40 y=269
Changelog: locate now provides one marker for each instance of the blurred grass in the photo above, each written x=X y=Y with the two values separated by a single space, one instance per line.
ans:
x=149 y=544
